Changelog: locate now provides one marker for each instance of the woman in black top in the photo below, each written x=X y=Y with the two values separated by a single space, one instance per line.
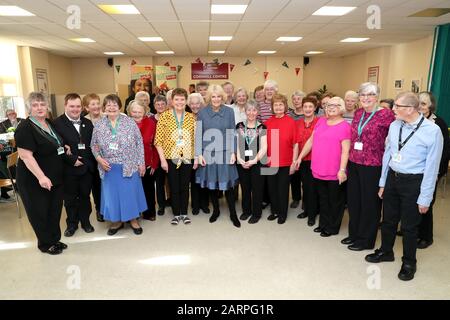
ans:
x=252 y=147
x=40 y=174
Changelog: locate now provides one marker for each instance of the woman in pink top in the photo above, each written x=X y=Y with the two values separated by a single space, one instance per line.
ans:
x=330 y=144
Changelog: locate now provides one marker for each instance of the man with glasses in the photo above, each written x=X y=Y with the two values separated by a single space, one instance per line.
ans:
x=410 y=167
x=12 y=121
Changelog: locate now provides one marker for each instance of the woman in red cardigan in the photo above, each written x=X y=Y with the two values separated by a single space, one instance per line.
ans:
x=147 y=126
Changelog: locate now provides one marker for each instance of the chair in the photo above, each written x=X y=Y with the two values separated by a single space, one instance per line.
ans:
x=10 y=182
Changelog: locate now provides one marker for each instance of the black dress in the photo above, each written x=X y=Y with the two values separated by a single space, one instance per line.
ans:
x=43 y=207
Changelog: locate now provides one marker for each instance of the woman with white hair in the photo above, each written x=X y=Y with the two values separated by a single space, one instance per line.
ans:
x=265 y=107
x=329 y=144
x=370 y=127
x=351 y=104
x=296 y=111
x=143 y=98
x=240 y=102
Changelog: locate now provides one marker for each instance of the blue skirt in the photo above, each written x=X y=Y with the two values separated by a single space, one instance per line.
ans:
x=217 y=176
x=122 y=198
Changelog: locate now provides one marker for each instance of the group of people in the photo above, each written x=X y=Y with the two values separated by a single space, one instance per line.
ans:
x=333 y=152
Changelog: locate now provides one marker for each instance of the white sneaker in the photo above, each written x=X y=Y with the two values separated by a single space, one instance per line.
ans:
x=175 y=220
x=185 y=219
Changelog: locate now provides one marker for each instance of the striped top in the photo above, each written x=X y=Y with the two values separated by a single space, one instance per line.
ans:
x=265 y=111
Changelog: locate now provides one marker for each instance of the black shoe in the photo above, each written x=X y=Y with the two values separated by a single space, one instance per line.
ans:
x=88 y=229
x=265 y=205
x=272 y=217
x=53 y=250
x=407 y=272
x=318 y=229
x=5 y=196
x=206 y=210
x=253 y=220
x=423 y=244
x=137 y=231
x=325 y=234
x=235 y=221
x=281 y=220
x=347 y=241
x=195 y=211
x=100 y=217
x=160 y=211
x=61 y=245
x=214 y=216
x=113 y=231
x=380 y=256
x=356 y=247
x=69 y=232
x=311 y=222
x=302 y=215
x=244 y=216
x=149 y=217
x=294 y=204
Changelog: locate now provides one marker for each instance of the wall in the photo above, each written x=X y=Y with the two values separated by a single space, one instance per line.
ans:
x=323 y=71
x=60 y=74
x=92 y=75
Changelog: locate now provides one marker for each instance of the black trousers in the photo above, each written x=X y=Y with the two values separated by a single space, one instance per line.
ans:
x=400 y=205
x=199 y=195
x=279 y=191
x=426 y=225
x=160 y=178
x=179 y=186
x=310 y=195
x=295 y=181
x=43 y=209
x=252 y=185
x=77 y=199
x=96 y=189
x=148 y=182
x=364 y=205
x=331 y=202
x=229 y=196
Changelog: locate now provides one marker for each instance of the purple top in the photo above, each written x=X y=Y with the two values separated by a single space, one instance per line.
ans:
x=373 y=137
x=130 y=149
x=327 y=148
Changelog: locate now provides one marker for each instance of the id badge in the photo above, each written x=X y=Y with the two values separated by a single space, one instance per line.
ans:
x=60 y=151
x=113 y=146
x=358 y=146
x=249 y=153
x=180 y=143
x=81 y=146
x=397 y=158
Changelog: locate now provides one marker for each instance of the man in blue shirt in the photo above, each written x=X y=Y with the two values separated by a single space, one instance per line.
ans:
x=410 y=167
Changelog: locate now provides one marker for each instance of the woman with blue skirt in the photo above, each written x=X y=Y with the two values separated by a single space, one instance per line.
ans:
x=117 y=146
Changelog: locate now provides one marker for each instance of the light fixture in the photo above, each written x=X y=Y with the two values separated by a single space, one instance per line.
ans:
x=333 y=11
x=228 y=8
x=289 y=39
x=113 y=53
x=220 y=38
x=85 y=40
x=314 y=52
x=217 y=52
x=151 y=39
x=119 y=8
x=165 y=52
x=266 y=52
x=14 y=11
x=355 y=39
x=430 y=13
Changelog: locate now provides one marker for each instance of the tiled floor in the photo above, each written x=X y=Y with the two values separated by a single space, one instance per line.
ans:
x=214 y=261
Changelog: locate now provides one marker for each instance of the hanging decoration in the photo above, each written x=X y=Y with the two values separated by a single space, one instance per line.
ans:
x=284 y=64
x=167 y=64
x=216 y=60
x=297 y=70
x=231 y=67
x=133 y=62
x=247 y=62
x=179 y=68
x=265 y=75
x=118 y=68
x=198 y=60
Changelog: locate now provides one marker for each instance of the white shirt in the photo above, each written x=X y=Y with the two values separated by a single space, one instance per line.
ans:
x=76 y=125
x=238 y=115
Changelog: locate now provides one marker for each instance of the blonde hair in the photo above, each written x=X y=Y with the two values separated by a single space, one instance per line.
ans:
x=133 y=104
x=197 y=96
x=215 y=88
x=339 y=101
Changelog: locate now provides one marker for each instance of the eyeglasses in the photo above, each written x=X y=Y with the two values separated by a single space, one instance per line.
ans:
x=401 y=106
x=369 y=95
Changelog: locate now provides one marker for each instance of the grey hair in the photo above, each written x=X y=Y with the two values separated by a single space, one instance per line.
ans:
x=409 y=98
x=142 y=93
x=133 y=104
x=252 y=104
x=341 y=103
x=352 y=94
x=271 y=83
x=36 y=96
x=298 y=93
x=369 y=87
x=240 y=89
x=193 y=96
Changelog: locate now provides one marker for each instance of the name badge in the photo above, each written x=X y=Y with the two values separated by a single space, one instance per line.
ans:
x=358 y=146
x=81 y=146
x=113 y=146
x=249 y=153
x=397 y=158
x=180 y=143
x=60 y=151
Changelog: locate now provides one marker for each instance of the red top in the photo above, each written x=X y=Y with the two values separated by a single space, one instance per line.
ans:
x=283 y=132
x=148 y=131
x=304 y=132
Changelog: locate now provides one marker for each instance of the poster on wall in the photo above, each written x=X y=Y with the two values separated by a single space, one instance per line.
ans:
x=141 y=72
x=373 y=74
x=398 y=84
x=415 y=86
x=209 y=71
x=42 y=81
x=166 y=77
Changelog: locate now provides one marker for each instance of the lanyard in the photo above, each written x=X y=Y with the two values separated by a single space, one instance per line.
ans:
x=179 y=124
x=402 y=144
x=247 y=138
x=50 y=132
x=362 y=125
x=115 y=128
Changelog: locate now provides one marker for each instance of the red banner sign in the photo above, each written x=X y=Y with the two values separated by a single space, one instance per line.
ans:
x=209 y=71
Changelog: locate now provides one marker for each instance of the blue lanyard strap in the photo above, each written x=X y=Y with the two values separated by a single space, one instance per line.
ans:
x=362 y=125
x=247 y=138
x=115 y=128
x=50 y=131
x=179 y=123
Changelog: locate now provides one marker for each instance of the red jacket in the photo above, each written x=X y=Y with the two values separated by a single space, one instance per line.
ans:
x=148 y=131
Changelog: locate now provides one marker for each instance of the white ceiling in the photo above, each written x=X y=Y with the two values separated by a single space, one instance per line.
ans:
x=185 y=26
